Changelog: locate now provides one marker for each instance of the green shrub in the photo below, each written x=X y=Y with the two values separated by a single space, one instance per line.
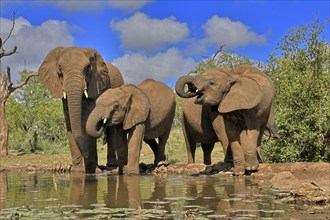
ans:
x=301 y=75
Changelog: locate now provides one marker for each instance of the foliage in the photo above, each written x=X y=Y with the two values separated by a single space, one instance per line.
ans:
x=300 y=70
x=34 y=117
x=222 y=59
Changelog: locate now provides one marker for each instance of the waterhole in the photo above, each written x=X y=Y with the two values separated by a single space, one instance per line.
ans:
x=107 y=196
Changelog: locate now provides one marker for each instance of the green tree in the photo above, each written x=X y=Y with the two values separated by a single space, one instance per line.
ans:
x=222 y=59
x=300 y=70
x=35 y=119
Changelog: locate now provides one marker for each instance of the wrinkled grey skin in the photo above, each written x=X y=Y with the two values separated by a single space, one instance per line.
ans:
x=78 y=76
x=232 y=106
x=144 y=112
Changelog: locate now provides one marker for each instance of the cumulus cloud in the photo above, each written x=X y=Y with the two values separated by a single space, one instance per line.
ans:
x=128 y=5
x=231 y=33
x=162 y=66
x=223 y=31
x=33 y=42
x=75 y=5
x=148 y=34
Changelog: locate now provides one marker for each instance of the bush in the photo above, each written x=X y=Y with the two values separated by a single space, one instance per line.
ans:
x=35 y=118
x=301 y=76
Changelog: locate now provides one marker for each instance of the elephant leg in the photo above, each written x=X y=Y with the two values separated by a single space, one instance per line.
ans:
x=135 y=138
x=121 y=147
x=153 y=145
x=207 y=151
x=91 y=159
x=233 y=135
x=238 y=158
x=78 y=164
x=112 y=135
x=160 y=158
x=259 y=156
x=190 y=144
x=249 y=140
x=218 y=123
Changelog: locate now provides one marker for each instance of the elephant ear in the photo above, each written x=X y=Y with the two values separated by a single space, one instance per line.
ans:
x=100 y=80
x=245 y=93
x=138 y=106
x=116 y=79
x=48 y=72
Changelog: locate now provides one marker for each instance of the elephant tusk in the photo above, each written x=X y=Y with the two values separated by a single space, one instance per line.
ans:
x=64 y=95
x=85 y=93
x=105 y=120
x=197 y=90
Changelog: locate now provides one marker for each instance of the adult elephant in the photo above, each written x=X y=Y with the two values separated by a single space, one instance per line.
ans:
x=77 y=76
x=233 y=106
x=145 y=112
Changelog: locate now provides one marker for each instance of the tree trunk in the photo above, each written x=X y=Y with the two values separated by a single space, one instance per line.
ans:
x=3 y=131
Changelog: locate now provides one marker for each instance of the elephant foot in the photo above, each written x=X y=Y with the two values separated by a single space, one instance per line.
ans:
x=160 y=163
x=252 y=167
x=130 y=170
x=238 y=171
x=112 y=163
x=77 y=169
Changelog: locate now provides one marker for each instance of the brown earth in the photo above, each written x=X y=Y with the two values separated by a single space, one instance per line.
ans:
x=303 y=184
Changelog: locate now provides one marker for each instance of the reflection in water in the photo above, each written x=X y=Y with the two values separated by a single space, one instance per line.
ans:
x=3 y=190
x=213 y=196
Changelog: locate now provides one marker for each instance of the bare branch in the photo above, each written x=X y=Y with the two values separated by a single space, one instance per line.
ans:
x=12 y=28
x=218 y=51
x=4 y=53
x=8 y=73
x=13 y=88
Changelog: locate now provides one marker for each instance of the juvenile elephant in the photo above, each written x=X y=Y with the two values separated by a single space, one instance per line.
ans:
x=77 y=76
x=233 y=106
x=145 y=112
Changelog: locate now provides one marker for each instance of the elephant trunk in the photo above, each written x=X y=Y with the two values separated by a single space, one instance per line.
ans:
x=94 y=124
x=74 y=91
x=180 y=84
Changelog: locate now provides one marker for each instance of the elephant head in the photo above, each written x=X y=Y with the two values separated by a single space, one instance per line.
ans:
x=126 y=104
x=75 y=74
x=226 y=89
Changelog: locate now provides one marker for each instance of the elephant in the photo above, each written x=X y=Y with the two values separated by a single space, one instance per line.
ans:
x=230 y=105
x=78 y=76
x=144 y=112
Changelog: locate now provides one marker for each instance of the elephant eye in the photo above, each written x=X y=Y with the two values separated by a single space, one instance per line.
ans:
x=59 y=71
x=115 y=105
x=211 y=83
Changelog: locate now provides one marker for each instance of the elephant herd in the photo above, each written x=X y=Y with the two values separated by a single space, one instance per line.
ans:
x=230 y=105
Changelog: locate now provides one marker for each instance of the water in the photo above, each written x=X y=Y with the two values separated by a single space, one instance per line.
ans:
x=100 y=196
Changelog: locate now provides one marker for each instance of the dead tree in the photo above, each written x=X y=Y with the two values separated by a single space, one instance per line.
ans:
x=6 y=88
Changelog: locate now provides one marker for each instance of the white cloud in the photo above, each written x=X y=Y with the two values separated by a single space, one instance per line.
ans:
x=128 y=5
x=223 y=31
x=33 y=42
x=170 y=64
x=144 y=33
x=75 y=5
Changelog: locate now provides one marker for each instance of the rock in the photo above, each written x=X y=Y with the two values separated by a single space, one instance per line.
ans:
x=283 y=181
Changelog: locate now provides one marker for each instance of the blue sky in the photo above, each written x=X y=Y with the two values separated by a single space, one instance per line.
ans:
x=152 y=39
